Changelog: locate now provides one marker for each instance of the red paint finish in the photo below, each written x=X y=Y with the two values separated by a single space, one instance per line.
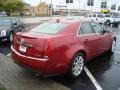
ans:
x=55 y=52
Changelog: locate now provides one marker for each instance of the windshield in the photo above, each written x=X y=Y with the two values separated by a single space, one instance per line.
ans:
x=5 y=22
x=49 y=28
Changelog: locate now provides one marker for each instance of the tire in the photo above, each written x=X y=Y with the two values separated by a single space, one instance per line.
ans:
x=108 y=22
x=22 y=29
x=11 y=37
x=77 y=65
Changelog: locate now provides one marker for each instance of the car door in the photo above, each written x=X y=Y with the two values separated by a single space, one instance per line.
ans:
x=89 y=39
x=104 y=41
x=19 y=25
x=16 y=25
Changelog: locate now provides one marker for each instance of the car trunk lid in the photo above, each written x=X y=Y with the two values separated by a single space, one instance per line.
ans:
x=32 y=44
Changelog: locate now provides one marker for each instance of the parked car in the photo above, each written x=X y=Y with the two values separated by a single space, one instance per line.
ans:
x=61 y=46
x=25 y=14
x=103 y=18
x=3 y=14
x=96 y=17
x=8 y=26
x=109 y=19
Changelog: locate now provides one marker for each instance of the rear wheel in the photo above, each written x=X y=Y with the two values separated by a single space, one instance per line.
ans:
x=22 y=30
x=77 y=65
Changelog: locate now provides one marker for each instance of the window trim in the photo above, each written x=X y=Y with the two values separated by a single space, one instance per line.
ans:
x=103 y=4
x=94 y=29
x=118 y=8
x=79 y=29
x=113 y=7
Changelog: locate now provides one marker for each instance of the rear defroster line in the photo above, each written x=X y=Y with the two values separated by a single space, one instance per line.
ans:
x=98 y=87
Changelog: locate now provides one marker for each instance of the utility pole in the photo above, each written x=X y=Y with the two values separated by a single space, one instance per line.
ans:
x=79 y=4
x=51 y=8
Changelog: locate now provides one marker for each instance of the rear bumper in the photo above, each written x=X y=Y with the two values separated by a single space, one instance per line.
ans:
x=36 y=64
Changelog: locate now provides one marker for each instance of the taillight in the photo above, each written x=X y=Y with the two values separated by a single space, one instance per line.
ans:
x=47 y=48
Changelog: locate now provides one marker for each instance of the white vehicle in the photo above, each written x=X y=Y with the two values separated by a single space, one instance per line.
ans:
x=96 y=17
x=103 y=18
x=109 y=19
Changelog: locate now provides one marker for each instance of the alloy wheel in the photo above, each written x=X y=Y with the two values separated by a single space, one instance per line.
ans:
x=77 y=66
x=22 y=30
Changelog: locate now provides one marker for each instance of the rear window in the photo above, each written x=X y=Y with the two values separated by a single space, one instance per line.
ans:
x=49 y=28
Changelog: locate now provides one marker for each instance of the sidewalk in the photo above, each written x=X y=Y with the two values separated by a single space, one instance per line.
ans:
x=43 y=19
x=14 y=78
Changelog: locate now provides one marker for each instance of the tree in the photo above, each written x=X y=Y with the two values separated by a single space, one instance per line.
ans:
x=2 y=5
x=10 y=6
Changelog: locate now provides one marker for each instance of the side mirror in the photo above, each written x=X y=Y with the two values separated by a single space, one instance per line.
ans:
x=105 y=31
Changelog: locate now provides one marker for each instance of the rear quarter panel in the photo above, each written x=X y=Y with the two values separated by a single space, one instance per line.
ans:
x=64 y=48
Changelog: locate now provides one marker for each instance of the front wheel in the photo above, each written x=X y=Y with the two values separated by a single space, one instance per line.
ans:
x=77 y=65
x=22 y=29
x=108 y=22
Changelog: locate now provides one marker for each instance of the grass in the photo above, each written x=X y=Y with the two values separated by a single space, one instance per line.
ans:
x=2 y=87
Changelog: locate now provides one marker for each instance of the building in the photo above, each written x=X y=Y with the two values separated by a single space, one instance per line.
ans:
x=94 y=5
x=98 y=5
x=40 y=9
x=74 y=12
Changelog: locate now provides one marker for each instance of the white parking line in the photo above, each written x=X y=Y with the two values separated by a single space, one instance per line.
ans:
x=9 y=54
x=98 y=87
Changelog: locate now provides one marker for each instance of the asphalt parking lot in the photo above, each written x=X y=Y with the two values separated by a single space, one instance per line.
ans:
x=102 y=73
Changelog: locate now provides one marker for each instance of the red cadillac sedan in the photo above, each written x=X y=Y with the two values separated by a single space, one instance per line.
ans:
x=60 y=46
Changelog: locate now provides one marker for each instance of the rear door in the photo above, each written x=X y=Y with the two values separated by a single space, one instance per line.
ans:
x=104 y=40
x=89 y=39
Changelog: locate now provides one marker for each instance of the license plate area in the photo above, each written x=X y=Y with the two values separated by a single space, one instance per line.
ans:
x=22 y=48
